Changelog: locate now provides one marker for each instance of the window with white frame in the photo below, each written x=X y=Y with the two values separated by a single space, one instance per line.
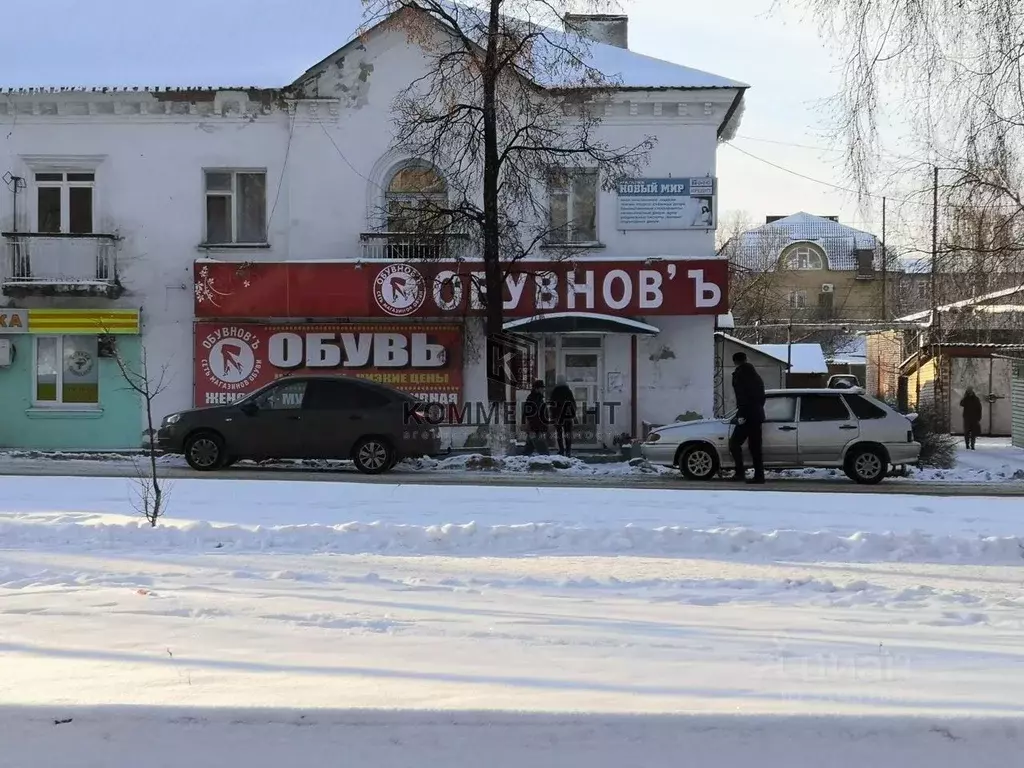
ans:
x=66 y=371
x=804 y=256
x=236 y=207
x=572 y=206
x=922 y=290
x=797 y=299
x=65 y=202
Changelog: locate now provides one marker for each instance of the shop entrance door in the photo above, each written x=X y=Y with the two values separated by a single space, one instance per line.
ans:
x=582 y=371
x=581 y=360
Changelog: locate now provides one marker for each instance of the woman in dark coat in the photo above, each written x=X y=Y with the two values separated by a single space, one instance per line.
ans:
x=971 y=405
x=563 y=414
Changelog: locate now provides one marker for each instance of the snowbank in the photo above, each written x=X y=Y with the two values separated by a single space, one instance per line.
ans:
x=473 y=539
x=59 y=737
x=520 y=464
x=995 y=461
x=1007 y=473
x=460 y=463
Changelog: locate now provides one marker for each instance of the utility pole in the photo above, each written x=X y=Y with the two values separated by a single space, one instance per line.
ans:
x=935 y=237
x=885 y=266
x=934 y=330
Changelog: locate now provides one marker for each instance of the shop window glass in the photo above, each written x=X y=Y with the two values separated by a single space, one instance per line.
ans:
x=67 y=370
x=550 y=364
x=571 y=341
x=581 y=368
x=47 y=372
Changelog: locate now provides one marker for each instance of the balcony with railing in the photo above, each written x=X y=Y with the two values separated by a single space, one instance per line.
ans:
x=405 y=246
x=50 y=264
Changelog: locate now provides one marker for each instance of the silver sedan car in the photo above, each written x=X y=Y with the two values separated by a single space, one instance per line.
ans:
x=842 y=428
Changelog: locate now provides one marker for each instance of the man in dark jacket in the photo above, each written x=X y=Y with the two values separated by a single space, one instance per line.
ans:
x=535 y=418
x=748 y=388
x=971 y=405
x=563 y=414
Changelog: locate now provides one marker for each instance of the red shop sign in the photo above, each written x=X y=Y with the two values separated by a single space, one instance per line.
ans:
x=451 y=289
x=234 y=359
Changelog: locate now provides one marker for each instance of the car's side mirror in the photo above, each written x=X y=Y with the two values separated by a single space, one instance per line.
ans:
x=250 y=409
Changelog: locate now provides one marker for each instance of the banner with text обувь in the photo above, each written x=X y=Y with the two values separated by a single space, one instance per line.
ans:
x=234 y=359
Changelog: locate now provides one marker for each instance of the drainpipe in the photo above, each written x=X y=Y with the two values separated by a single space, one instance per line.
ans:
x=789 y=352
x=991 y=400
x=633 y=384
x=17 y=185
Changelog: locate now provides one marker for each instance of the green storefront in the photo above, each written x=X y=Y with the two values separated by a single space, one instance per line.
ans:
x=61 y=387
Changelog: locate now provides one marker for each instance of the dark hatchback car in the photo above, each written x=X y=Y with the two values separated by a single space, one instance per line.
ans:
x=305 y=417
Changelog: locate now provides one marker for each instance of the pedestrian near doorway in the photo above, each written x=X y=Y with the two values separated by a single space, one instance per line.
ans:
x=535 y=419
x=971 y=405
x=748 y=387
x=563 y=414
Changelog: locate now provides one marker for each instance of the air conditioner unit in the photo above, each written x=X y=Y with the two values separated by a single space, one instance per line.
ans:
x=827 y=288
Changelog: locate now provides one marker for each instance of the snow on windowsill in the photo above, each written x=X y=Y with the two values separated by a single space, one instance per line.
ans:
x=67 y=282
x=63 y=412
x=479 y=260
x=233 y=246
x=571 y=246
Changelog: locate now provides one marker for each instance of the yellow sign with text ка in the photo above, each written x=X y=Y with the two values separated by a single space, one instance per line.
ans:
x=85 y=321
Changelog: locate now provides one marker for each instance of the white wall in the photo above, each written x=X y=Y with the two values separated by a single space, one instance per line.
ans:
x=676 y=369
x=324 y=173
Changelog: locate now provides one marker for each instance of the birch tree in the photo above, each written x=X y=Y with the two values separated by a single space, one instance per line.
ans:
x=944 y=77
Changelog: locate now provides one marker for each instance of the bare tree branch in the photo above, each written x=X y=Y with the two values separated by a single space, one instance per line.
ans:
x=152 y=501
x=506 y=102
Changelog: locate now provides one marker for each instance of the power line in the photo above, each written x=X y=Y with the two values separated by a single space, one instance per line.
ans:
x=790 y=144
x=342 y=154
x=284 y=167
x=802 y=175
x=840 y=188
x=826 y=150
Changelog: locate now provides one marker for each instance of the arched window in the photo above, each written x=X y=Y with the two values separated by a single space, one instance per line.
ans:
x=803 y=256
x=415 y=199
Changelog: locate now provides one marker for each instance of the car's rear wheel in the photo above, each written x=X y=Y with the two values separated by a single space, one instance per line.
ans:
x=204 y=451
x=373 y=455
x=698 y=462
x=866 y=465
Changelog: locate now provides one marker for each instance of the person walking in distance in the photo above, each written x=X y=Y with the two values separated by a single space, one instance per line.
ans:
x=971 y=405
x=535 y=418
x=563 y=413
x=748 y=388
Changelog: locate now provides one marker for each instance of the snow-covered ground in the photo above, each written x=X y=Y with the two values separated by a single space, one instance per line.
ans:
x=995 y=461
x=539 y=626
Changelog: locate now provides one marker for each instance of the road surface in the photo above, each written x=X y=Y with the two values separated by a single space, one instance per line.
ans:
x=53 y=468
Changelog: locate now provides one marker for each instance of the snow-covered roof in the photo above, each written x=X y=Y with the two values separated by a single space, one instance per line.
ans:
x=634 y=70
x=915 y=265
x=245 y=43
x=760 y=247
x=804 y=357
x=975 y=303
x=752 y=347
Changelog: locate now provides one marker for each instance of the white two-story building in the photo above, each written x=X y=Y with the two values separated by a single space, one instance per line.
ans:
x=229 y=233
